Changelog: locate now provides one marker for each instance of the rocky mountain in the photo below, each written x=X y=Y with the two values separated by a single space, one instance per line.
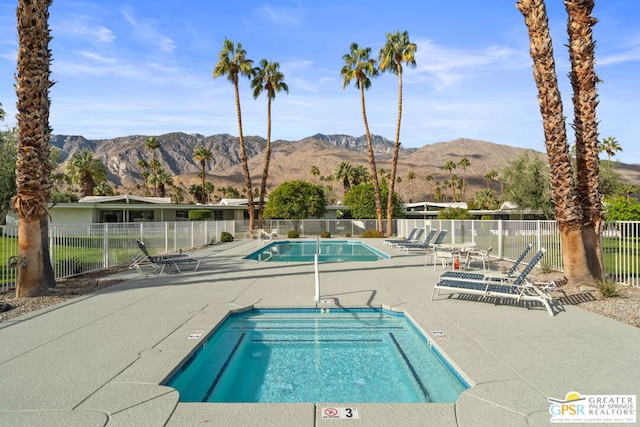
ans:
x=294 y=160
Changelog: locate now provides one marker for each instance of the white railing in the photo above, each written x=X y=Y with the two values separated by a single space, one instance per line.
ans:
x=76 y=249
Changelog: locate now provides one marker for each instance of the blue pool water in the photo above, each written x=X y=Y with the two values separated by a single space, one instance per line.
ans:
x=304 y=251
x=306 y=356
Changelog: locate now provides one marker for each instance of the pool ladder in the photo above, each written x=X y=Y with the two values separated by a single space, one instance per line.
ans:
x=317 y=271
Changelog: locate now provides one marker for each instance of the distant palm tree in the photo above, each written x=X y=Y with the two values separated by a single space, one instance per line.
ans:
x=178 y=194
x=397 y=50
x=361 y=68
x=360 y=175
x=202 y=155
x=429 y=179
x=490 y=176
x=196 y=191
x=464 y=163
x=267 y=78
x=233 y=64
x=450 y=165
x=152 y=145
x=411 y=176
x=610 y=146
x=315 y=172
x=343 y=172
x=160 y=178
x=86 y=171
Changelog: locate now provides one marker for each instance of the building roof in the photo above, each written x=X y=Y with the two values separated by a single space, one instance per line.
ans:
x=126 y=198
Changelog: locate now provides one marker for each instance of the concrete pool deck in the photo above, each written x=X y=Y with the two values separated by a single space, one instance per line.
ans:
x=98 y=359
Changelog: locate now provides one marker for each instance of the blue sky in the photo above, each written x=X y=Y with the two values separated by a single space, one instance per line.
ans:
x=145 y=67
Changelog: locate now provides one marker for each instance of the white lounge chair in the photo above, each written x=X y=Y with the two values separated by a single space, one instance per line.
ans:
x=410 y=236
x=489 y=286
x=159 y=262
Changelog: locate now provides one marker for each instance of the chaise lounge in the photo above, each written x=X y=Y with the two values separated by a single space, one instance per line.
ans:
x=159 y=262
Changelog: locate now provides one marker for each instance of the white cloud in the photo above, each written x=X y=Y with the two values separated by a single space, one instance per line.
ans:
x=281 y=15
x=146 y=29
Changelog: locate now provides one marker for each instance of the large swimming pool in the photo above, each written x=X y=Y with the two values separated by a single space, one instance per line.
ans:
x=305 y=250
x=344 y=355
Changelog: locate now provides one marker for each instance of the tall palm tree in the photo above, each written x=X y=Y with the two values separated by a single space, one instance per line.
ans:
x=450 y=165
x=86 y=171
x=152 y=145
x=234 y=64
x=464 y=163
x=429 y=179
x=585 y=99
x=398 y=50
x=360 y=68
x=202 y=155
x=567 y=208
x=611 y=146
x=268 y=78
x=490 y=176
x=411 y=176
x=33 y=265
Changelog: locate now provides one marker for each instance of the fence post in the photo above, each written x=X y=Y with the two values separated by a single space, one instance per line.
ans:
x=105 y=245
x=500 y=240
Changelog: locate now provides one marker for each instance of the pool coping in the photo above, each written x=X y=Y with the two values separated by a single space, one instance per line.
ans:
x=99 y=359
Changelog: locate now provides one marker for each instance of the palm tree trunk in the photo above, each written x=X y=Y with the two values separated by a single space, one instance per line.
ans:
x=568 y=214
x=34 y=275
x=585 y=99
x=372 y=163
x=265 y=169
x=396 y=153
x=243 y=159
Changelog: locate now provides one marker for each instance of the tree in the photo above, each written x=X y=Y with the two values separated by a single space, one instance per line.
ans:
x=410 y=177
x=450 y=165
x=464 y=163
x=269 y=79
x=152 y=145
x=360 y=68
x=429 y=179
x=610 y=146
x=103 y=189
x=315 y=172
x=622 y=209
x=34 y=270
x=233 y=64
x=144 y=173
x=8 y=147
x=159 y=178
x=296 y=200
x=202 y=155
x=196 y=191
x=361 y=202
x=577 y=207
x=397 y=50
x=360 y=175
x=529 y=185
x=490 y=176
x=485 y=199
x=86 y=171
x=343 y=173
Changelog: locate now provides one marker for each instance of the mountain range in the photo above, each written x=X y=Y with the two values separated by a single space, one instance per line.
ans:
x=295 y=159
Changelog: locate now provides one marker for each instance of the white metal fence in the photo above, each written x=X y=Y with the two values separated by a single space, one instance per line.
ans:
x=76 y=249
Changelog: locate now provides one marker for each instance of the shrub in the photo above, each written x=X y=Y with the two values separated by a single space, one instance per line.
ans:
x=199 y=215
x=226 y=237
x=372 y=234
x=293 y=234
x=325 y=234
x=347 y=234
x=608 y=288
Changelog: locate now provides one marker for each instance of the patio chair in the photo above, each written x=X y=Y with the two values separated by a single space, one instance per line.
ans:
x=519 y=289
x=159 y=262
x=424 y=244
x=410 y=237
x=479 y=255
x=415 y=240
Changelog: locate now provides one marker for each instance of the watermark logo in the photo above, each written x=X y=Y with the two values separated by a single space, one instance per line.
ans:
x=576 y=408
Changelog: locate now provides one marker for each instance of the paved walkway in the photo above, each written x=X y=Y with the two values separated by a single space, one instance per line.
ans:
x=97 y=360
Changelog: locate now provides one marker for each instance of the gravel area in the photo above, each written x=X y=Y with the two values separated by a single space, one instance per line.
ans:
x=625 y=308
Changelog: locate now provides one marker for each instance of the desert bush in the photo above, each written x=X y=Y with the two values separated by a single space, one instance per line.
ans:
x=226 y=237
x=372 y=234
x=325 y=234
x=199 y=215
x=293 y=234
x=608 y=288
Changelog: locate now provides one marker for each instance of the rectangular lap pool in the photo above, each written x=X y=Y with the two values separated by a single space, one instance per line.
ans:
x=345 y=355
x=329 y=251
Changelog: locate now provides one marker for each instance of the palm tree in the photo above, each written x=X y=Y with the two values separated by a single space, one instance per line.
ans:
x=343 y=172
x=144 y=172
x=610 y=146
x=429 y=178
x=450 y=165
x=160 y=178
x=267 y=78
x=490 y=176
x=360 y=175
x=233 y=64
x=202 y=155
x=567 y=207
x=86 y=171
x=152 y=145
x=464 y=163
x=315 y=171
x=34 y=270
x=196 y=191
x=410 y=177
x=397 y=50
x=360 y=68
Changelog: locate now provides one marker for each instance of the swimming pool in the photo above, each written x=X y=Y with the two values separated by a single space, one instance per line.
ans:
x=344 y=355
x=329 y=251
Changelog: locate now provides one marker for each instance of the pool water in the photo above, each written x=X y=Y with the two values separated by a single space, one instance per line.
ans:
x=329 y=251
x=308 y=356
